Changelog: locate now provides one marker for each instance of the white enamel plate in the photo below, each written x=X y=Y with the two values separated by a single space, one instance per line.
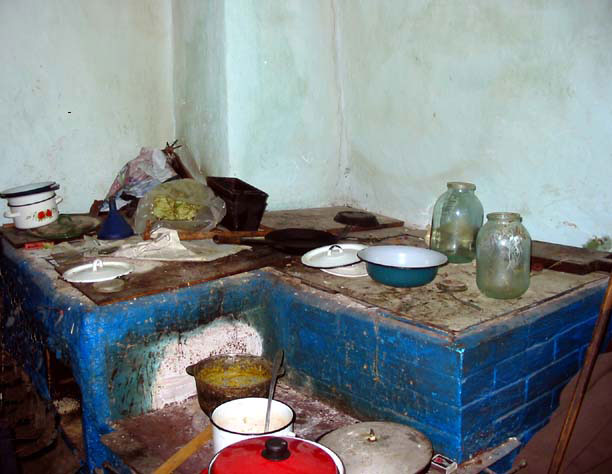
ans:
x=98 y=270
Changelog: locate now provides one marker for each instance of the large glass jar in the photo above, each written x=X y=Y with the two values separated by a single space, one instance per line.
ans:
x=457 y=217
x=503 y=256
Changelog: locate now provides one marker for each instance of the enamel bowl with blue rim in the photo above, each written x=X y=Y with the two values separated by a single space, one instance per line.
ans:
x=402 y=265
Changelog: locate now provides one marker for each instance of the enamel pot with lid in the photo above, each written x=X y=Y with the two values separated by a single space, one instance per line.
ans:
x=276 y=455
x=365 y=447
x=32 y=205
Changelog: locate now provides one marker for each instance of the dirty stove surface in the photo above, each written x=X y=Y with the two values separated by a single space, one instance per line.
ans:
x=429 y=305
x=145 y=442
x=153 y=277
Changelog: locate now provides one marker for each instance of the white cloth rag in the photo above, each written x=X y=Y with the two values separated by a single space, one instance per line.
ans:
x=165 y=245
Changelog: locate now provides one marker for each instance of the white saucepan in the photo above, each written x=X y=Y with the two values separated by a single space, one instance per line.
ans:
x=244 y=418
x=32 y=205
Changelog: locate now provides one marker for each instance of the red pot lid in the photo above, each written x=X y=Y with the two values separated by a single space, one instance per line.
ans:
x=273 y=455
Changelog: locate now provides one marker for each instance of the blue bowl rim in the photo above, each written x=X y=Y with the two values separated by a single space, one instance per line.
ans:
x=397 y=267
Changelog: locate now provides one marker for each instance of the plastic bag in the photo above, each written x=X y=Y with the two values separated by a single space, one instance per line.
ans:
x=182 y=204
x=149 y=169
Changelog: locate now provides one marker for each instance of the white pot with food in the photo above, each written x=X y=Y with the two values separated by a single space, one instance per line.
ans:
x=244 y=418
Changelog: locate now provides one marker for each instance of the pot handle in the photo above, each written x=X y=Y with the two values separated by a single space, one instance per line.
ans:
x=58 y=199
x=191 y=369
x=10 y=215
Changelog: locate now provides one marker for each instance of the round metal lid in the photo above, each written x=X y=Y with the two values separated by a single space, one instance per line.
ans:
x=331 y=256
x=29 y=189
x=365 y=447
x=273 y=455
x=357 y=218
x=98 y=270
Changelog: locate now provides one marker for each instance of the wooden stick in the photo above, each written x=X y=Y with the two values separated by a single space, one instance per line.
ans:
x=238 y=234
x=199 y=235
x=583 y=381
x=182 y=454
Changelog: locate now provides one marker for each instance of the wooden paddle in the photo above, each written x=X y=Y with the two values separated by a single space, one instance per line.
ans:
x=582 y=384
x=182 y=454
x=199 y=235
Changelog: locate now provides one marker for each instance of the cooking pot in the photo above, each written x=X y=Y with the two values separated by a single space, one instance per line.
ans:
x=368 y=446
x=224 y=377
x=276 y=455
x=32 y=205
x=244 y=418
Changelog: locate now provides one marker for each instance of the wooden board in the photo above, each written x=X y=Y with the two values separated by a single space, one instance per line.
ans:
x=23 y=238
x=167 y=276
x=321 y=218
x=211 y=234
x=568 y=259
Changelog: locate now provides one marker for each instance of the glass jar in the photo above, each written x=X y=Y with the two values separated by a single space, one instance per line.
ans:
x=503 y=256
x=457 y=217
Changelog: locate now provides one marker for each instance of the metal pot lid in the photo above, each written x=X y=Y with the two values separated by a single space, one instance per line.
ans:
x=27 y=189
x=365 y=447
x=357 y=218
x=273 y=455
x=98 y=270
x=331 y=256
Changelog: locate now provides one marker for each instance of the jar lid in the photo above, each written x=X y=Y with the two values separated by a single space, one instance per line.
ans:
x=461 y=185
x=504 y=216
x=27 y=189
x=273 y=455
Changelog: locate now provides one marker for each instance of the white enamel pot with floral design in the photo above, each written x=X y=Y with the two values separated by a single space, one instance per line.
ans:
x=32 y=205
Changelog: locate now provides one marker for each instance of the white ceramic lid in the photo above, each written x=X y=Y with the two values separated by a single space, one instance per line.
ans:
x=29 y=189
x=331 y=256
x=98 y=270
x=351 y=271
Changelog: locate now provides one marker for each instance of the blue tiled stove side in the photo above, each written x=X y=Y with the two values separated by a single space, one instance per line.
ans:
x=113 y=350
x=467 y=392
x=527 y=361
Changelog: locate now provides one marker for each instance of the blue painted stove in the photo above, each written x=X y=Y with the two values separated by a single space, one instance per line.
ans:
x=467 y=391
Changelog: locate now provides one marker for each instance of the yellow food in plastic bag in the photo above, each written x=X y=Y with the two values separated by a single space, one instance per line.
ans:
x=170 y=209
x=180 y=204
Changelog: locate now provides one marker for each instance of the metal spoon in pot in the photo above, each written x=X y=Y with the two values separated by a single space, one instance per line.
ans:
x=278 y=359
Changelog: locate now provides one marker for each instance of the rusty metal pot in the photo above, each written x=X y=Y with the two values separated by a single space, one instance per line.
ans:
x=226 y=377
